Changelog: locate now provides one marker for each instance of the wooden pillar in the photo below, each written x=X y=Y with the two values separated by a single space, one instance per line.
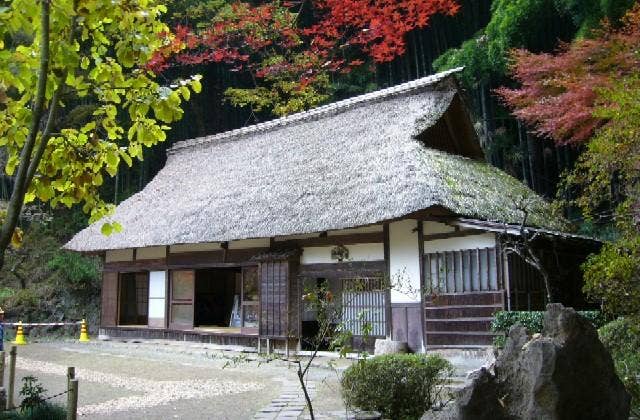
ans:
x=3 y=359
x=12 y=376
x=72 y=408
x=71 y=375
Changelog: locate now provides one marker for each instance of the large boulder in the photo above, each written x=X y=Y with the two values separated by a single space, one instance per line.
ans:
x=563 y=373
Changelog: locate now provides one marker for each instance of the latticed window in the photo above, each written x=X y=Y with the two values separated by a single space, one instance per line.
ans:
x=467 y=270
x=364 y=305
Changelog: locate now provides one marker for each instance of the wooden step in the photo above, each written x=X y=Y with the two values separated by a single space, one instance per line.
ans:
x=459 y=324
x=461 y=311
x=472 y=298
x=437 y=347
x=457 y=338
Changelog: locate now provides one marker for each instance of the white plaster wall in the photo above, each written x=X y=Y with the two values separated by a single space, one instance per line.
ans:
x=157 y=294
x=404 y=261
x=119 y=255
x=250 y=243
x=212 y=246
x=357 y=252
x=151 y=252
x=431 y=228
x=484 y=240
x=364 y=229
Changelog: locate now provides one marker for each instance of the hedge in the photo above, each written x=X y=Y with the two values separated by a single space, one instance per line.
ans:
x=532 y=321
x=622 y=338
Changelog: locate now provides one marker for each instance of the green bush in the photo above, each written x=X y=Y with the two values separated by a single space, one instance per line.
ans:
x=41 y=412
x=34 y=406
x=532 y=321
x=622 y=338
x=399 y=386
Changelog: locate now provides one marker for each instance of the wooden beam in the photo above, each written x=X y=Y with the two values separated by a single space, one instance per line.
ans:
x=354 y=238
x=422 y=282
x=455 y=234
x=387 y=273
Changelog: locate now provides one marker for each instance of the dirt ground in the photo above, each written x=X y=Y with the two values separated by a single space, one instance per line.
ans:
x=165 y=380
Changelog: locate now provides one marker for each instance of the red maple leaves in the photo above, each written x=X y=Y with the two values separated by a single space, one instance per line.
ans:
x=268 y=41
x=377 y=27
x=559 y=92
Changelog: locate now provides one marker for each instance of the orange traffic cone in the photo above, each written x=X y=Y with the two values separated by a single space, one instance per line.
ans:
x=84 y=336
x=20 y=335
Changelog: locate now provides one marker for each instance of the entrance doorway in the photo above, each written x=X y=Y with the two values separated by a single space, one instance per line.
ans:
x=217 y=297
x=224 y=299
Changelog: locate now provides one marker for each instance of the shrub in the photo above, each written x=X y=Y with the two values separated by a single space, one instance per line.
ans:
x=622 y=338
x=399 y=386
x=34 y=406
x=532 y=321
x=42 y=412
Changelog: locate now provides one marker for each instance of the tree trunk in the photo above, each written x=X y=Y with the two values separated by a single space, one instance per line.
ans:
x=26 y=164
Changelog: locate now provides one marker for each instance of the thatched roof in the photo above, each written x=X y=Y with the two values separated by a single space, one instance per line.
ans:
x=352 y=163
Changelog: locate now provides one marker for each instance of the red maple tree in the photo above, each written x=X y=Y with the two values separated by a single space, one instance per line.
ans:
x=558 y=92
x=268 y=40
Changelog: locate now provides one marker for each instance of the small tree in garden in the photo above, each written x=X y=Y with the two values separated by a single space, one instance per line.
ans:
x=333 y=331
x=522 y=244
x=76 y=99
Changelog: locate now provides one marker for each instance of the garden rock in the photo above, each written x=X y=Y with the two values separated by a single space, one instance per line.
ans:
x=383 y=346
x=564 y=373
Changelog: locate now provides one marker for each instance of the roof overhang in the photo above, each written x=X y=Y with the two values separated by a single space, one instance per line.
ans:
x=513 y=229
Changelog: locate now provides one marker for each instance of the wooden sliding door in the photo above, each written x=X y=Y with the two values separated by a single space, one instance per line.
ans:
x=182 y=296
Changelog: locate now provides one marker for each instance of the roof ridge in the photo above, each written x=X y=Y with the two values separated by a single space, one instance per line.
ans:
x=317 y=112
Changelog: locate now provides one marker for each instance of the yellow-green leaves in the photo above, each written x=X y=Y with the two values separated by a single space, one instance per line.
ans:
x=102 y=60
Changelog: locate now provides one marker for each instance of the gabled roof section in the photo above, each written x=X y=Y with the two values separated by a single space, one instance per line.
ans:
x=326 y=111
x=352 y=163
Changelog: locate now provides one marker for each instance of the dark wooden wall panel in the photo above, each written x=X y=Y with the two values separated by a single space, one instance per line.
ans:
x=406 y=321
x=138 y=265
x=109 y=308
x=274 y=299
x=343 y=269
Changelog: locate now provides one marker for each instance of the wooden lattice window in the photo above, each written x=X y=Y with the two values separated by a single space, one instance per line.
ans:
x=364 y=304
x=467 y=270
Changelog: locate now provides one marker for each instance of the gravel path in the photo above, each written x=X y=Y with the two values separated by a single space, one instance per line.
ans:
x=120 y=380
x=152 y=392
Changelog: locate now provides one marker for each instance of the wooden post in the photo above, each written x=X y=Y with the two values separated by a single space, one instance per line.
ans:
x=3 y=360
x=12 y=376
x=71 y=375
x=72 y=408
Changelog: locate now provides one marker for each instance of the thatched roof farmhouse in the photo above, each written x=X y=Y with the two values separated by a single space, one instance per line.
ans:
x=390 y=181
